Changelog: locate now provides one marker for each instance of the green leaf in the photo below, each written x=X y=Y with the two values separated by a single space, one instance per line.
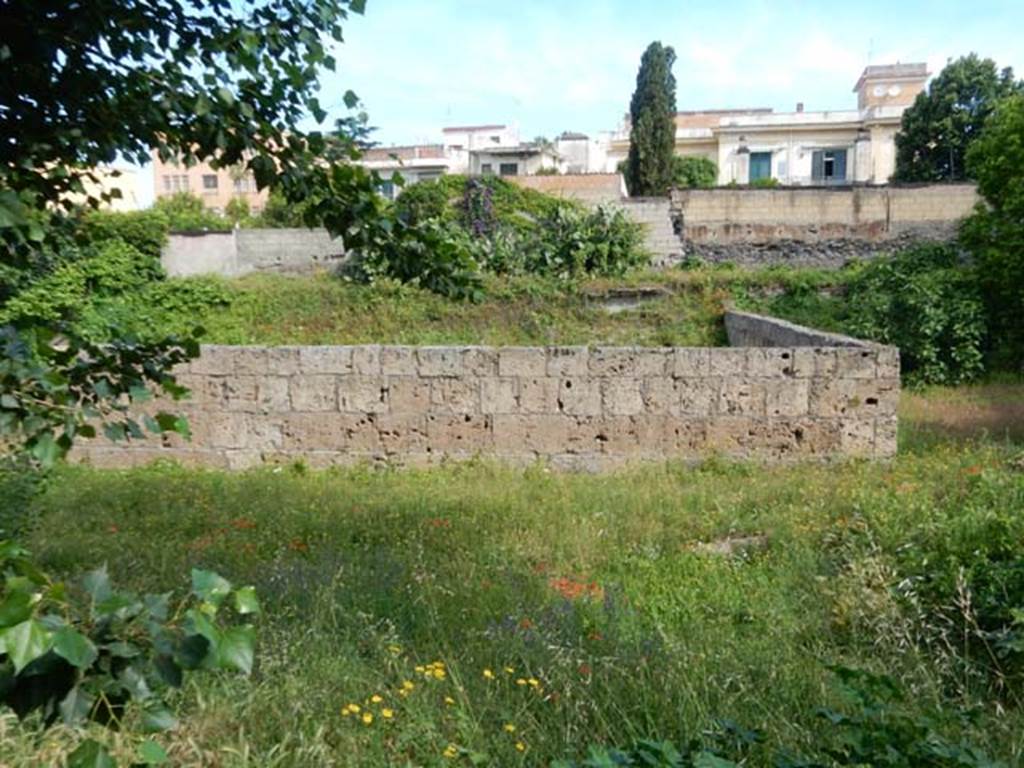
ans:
x=708 y=760
x=151 y=753
x=96 y=583
x=76 y=706
x=91 y=754
x=26 y=642
x=15 y=608
x=158 y=719
x=8 y=401
x=46 y=450
x=209 y=586
x=246 y=600
x=193 y=651
x=351 y=100
x=235 y=649
x=75 y=647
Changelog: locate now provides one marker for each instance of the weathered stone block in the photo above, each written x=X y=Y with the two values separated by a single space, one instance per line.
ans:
x=398 y=361
x=249 y=360
x=888 y=363
x=660 y=395
x=439 y=361
x=408 y=394
x=788 y=397
x=499 y=395
x=283 y=361
x=325 y=360
x=770 y=362
x=857 y=437
x=814 y=361
x=539 y=395
x=856 y=363
x=455 y=395
x=522 y=361
x=531 y=433
x=653 y=362
x=613 y=361
x=363 y=394
x=698 y=397
x=366 y=360
x=568 y=362
x=403 y=433
x=467 y=433
x=313 y=393
x=580 y=396
x=213 y=361
x=621 y=396
x=480 y=361
x=866 y=398
x=741 y=397
x=728 y=362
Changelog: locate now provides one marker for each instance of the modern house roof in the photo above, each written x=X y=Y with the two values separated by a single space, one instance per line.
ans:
x=410 y=152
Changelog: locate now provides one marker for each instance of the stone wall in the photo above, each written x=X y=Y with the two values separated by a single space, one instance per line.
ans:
x=820 y=226
x=577 y=408
x=288 y=251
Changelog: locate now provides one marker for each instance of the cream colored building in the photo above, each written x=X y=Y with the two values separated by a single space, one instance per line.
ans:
x=106 y=180
x=215 y=186
x=801 y=147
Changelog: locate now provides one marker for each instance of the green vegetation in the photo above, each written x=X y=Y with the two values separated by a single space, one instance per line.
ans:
x=648 y=604
x=694 y=172
x=652 y=114
x=937 y=130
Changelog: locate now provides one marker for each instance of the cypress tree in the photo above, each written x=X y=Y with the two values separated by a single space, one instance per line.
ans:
x=652 y=113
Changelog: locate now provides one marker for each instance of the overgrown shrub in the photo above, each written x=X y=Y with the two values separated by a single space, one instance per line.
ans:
x=694 y=172
x=185 y=212
x=926 y=302
x=572 y=242
x=145 y=231
x=278 y=213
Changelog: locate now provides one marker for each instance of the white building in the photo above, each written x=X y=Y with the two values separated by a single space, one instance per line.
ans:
x=801 y=147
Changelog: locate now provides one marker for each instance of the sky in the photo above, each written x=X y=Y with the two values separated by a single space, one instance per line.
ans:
x=556 y=65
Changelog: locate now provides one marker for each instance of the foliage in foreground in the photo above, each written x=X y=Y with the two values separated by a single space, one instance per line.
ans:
x=86 y=652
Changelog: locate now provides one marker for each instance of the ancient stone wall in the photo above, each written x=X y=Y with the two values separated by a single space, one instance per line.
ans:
x=576 y=408
x=819 y=226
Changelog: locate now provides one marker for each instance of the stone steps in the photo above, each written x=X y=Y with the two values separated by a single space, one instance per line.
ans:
x=659 y=235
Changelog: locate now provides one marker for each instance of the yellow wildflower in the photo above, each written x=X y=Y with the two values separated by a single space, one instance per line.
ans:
x=395 y=649
x=439 y=674
x=520 y=747
x=376 y=699
x=353 y=708
x=488 y=674
x=449 y=701
x=367 y=718
x=450 y=751
x=408 y=685
x=509 y=728
x=420 y=668
x=509 y=670
x=534 y=682
x=387 y=714
x=520 y=681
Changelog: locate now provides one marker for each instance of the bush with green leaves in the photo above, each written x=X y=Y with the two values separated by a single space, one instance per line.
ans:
x=573 y=242
x=84 y=651
x=278 y=213
x=695 y=172
x=146 y=231
x=186 y=212
x=928 y=303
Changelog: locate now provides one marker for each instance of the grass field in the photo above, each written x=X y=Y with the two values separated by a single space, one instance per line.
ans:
x=321 y=309
x=573 y=609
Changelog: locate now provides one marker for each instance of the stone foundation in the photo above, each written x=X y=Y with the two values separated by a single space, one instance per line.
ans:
x=577 y=408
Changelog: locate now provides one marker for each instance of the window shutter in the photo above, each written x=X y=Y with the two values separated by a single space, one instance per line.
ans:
x=818 y=166
x=840 y=172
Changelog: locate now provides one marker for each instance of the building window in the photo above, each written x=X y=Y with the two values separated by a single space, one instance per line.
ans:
x=486 y=169
x=175 y=182
x=828 y=166
x=387 y=189
x=430 y=175
x=509 y=169
x=245 y=184
x=760 y=166
x=210 y=182
x=495 y=139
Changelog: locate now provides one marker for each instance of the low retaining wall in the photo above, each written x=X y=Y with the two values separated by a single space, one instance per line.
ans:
x=577 y=408
x=243 y=251
x=820 y=226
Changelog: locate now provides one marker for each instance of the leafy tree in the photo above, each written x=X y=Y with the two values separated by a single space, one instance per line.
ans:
x=652 y=116
x=279 y=213
x=83 y=84
x=943 y=121
x=995 y=232
x=237 y=211
x=694 y=172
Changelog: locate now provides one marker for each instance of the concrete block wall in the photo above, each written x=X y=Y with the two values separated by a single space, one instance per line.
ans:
x=577 y=408
x=242 y=251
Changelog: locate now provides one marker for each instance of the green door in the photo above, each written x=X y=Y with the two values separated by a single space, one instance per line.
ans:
x=760 y=166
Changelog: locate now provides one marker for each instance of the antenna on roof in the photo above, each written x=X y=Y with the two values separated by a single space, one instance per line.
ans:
x=871 y=49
